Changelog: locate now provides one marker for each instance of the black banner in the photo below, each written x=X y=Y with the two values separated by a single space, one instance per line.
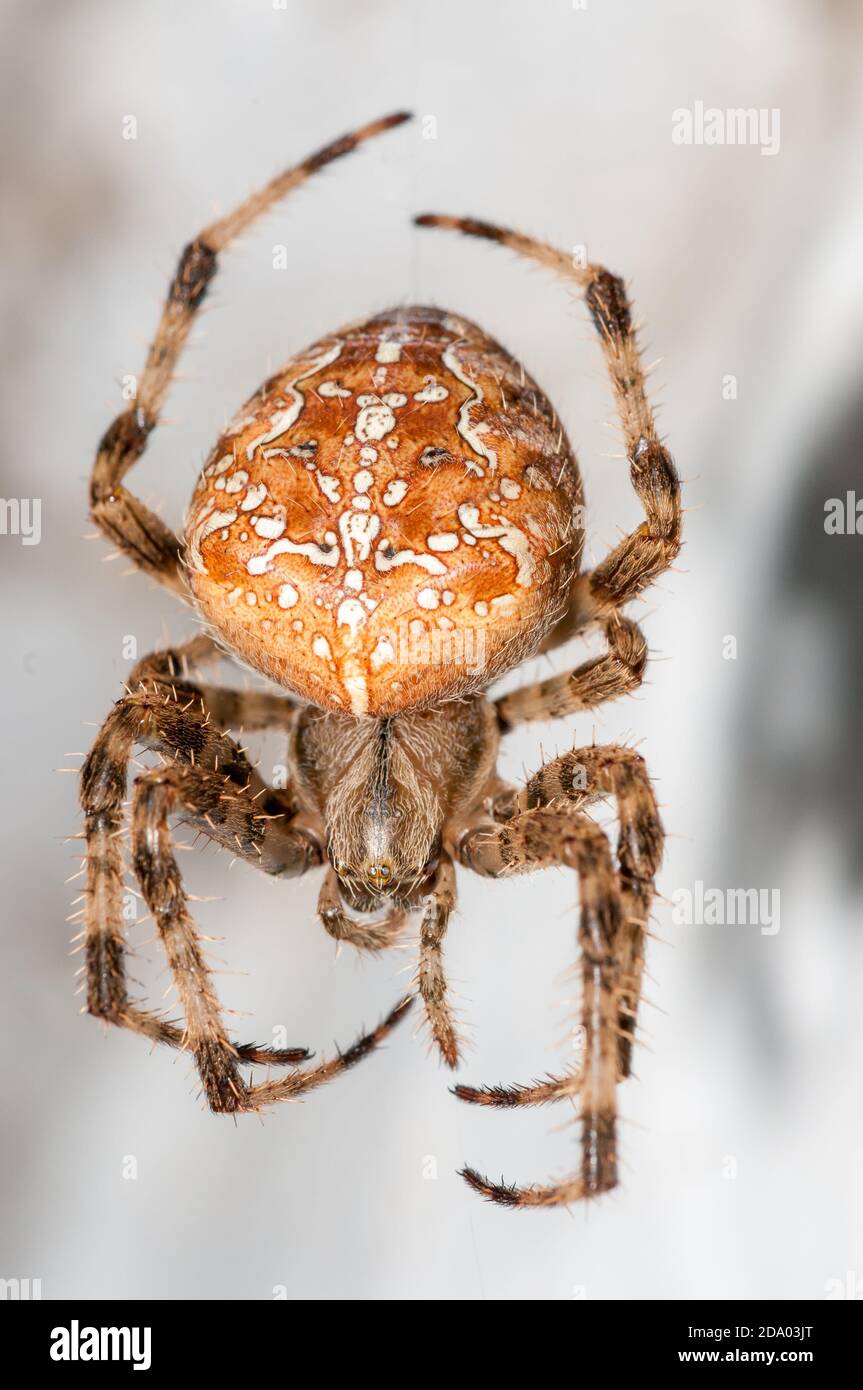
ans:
x=85 y=1339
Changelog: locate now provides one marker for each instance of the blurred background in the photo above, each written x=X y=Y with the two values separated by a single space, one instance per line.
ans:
x=742 y=1137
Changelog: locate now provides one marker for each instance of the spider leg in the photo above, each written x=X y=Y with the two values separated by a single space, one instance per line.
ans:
x=577 y=780
x=531 y=840
x=652 y=547
x=170 y=671
x=431 y=981
x=217 y=790
x=378 y=935
x=267 y=1093
x=157 y=794
x=238 y=810
x=122 y=517
x=618 y=671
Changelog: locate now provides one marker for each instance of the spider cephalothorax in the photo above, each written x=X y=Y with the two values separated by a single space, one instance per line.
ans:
x=380 y=792
x=392 y=522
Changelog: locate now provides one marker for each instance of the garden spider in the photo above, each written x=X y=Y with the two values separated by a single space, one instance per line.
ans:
x=391 y=523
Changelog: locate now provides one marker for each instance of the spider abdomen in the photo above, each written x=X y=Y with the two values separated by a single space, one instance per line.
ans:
x=390 y=520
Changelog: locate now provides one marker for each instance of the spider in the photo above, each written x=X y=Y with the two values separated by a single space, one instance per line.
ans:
x=391 y=523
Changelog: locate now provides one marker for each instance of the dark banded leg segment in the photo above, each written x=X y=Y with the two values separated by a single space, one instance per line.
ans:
x=652 y=547
x=157 y=795
x=121 y=517
x=532 y=840
x=267 y=1093
x=618 y=671
x=214 y=785
x=577 y=780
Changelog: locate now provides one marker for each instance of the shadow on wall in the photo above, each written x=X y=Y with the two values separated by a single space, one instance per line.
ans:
x=800 y=754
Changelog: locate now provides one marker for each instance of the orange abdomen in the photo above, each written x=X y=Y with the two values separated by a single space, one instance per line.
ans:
x=393 y=520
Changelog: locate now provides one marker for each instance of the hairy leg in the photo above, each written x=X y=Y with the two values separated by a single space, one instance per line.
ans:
x=213 y=785
x=431 y=980
x=122 y=517
x=234 y=807
x=156 y=795
x=579 y=779
x=267 y=1093
x=650 y=549
x=618 y=671
x=536 y=839
x=199 y=794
